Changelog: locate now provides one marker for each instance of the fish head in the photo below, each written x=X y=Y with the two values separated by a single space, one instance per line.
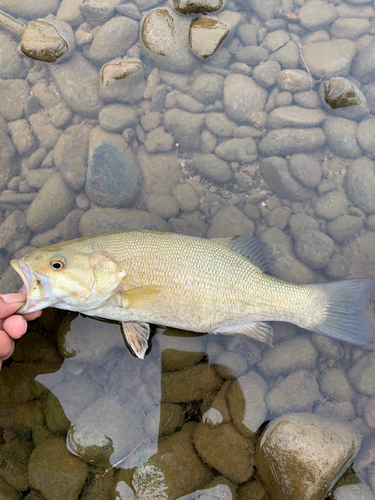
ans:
x=59 y=276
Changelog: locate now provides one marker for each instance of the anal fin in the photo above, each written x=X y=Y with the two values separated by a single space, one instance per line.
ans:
x=136 y=336
x=257 y=330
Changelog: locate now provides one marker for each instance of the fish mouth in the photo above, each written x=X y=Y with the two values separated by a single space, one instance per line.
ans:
x=36 y=287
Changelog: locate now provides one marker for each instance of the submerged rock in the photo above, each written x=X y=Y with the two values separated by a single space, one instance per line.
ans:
x=343 y=98
x=197 y=7
x=328 y=59
x=206 y=34
x=98 y=10
x=242 y=97
x=122 y=80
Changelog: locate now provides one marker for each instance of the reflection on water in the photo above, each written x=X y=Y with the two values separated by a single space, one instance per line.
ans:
x=217 y=125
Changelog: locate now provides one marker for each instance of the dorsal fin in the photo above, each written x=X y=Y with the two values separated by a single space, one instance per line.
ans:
x=260 y=253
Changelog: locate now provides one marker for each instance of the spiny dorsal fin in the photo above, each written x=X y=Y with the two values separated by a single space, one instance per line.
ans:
x=256 y=250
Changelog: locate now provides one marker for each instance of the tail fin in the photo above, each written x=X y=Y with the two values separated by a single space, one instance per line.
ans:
x=345 y=321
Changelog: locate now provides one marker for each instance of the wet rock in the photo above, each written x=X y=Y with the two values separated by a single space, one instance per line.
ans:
x=208 y=142
x=54 y=472
x=218 y=124
x=287 y=56
x=77 y=80
x=369 y=412
x=246 y=400
x=201 y=7
x=314 y=248
x=323 y=448
x=45 y=131
x=160 y=173
x=306 y=169
x=97 y=433
x=13 y=98
x=207 y=88
x=362 y=375
x=163 y=205
x=316 y=14
x=242 y=150
x=72 y=144
x=275 y=39
x=263 y=10
x=295 y=116
x=361 y=184
x=185 y=127
x=179 y=350
x=351 y=491
x=13 y=229
x=97 y=221
x=336 y=411
x=242 y=96
x=98 y=10
x=122 y=80
x=344 y=227
x=293 y=80
x=265 y=74
x=328 y=59
x=113 y=39
x=366 y=135
x=47 y=40
x=188 y=103
x=230 y=365
x=9 y=166
x=129 y=10
x=22 y=136
x=350 y=28
x=150 y=121
x=163 y=39
x=334 y=384
x=287 y=141
x=276 y=174
x=11 y=64
x=309 y=99
x=227 y=451
x=55 y=195
x=73 y=173
x=206 y=35
x=158 y=141
x=230 y=221
x=341 y=97
x=69 y=11
x=37 y=178
x=341 y=137
x=331 y=205
x=364 y=64
x=297 y=392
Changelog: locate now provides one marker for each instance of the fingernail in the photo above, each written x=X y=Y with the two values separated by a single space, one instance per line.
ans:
x=12 y=298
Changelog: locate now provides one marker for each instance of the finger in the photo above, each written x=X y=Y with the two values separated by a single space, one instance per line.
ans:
x=10 y=303
x=6 y=345
x=31 y=316
x=15 y=326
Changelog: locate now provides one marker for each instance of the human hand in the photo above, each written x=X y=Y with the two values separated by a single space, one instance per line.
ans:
x=12 y=326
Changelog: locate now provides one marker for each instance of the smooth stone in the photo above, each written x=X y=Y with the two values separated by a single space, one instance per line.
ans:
x=188 y=103
x=122 y=80
x=194 y=7
x=11 y=63
x=129 y=10
x=55 y=195
x=117 y=117
x=344 y=227
x=276 y=174
x=364 y=64
x=242 y=96
x=264 y=10
x=360 y=180
x=350 y=28
x=38 y=8
x=211 y=167
x=275 y=39
x=362 y=374
x=44 y=130
x=158 y=141
x=251 y=55
x=96 y=221
x=164 y=40
x=12 y=228
x=342 y=97
x=179 y=350
x=334 y=384
x=242 y=150
x=70 y=12
x=329 y=59
x=113 y=176
x=353 y=491
x=160 y=173
x=296 y=392
x=206 y=35
x=97 y=433
x=248 y=34
x=288 y=141
x=186 y=197
x=55 y=472
x=230 y=365
x=73 y=173
x=295 y=116
x=185 y=127
x=13 y=98
x=293 y=80
x=22 y=136
x=308 y=99
x=246 y=399
x=301 y=222
x=287 y=56
x=305 y=468
x=230 y=221
x=77 y=80
x=218 y=124
x=72 y=144
x=37 y=178
x=331 y=205
x=9 y=166
x=314 y=248
x=265 y=74
x=366 y=135
x=316 y=14
x=113 y=39
x=306 y=169
x=98 y=10
x=151 y=120
x=48 y=41
x=341 y=137
x=207 y=88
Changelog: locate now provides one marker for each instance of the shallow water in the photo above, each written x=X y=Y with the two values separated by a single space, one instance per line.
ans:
x=235 y=143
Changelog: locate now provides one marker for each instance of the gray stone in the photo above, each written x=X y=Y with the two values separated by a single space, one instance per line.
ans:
x=316 y=14
x=39 y=8
x=265 y=10
x=122 y=80
x=211 y=167
x=288 y=141
x=341 y=137
x=158 y=141
x=164 y=206
x=207 y=88
x=362 y=374
x=306 y=169
x=164 y=40
x=242 y=150
x=366 y=135
x=342 y=97
x=301 y=222
x=46 y=133
x=297 y=392
x=160 y=172
x=97 y=221
x=201 y=7
x=331 y=205
x=294 y=116
x=117 y=117
x=314 y=248
x=230 y=221
x=336 y=411
x=129 y=10
x=328 y=59
x=327 y=447
x=252 y=55
x=206 y=34
x=77 y=80
x=344 y=227
x=265 y=74
x=22 y=136
x=73 y=143
x=14 y=231
x=293 y=80
x=57 y=197
x=73 y=173
x=218 y=124
x=308 y=99
x=276 y=174
x=248 y=34
x=99 y=10
x=185 y=127
x=208 y=142
x=275 y=39
x=350 y=28
x=186 y=197
x=287 y=56
x=190 y=104
x=364 y=64
x=334 y=384
x=37 y=178
x=242 y=96
x=13 y=97
x=113 y=176
x=113 y=39
x=70 y=12
x=150 y=120
x=8 y=165
x=190 y=226
x=360 y=180
x=353 y=491
x=11 y=63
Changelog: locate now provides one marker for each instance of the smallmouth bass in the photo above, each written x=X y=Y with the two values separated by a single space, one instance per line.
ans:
x=204 y=285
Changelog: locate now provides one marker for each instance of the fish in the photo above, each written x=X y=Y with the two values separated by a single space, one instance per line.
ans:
x=222 y=286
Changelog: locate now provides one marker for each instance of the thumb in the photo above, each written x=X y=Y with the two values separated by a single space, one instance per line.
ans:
x=10 y=303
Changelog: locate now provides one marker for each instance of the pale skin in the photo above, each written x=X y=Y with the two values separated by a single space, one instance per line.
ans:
x=12 y=326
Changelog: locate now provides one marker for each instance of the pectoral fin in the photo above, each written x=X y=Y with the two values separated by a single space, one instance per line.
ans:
x=107 y=274
x=258 y=330
x=136 y=336
x=138 y=297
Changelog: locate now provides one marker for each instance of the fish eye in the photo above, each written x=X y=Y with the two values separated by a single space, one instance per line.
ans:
x=58 y=263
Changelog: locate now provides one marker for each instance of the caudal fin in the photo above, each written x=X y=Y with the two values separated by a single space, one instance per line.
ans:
x=345 y=321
